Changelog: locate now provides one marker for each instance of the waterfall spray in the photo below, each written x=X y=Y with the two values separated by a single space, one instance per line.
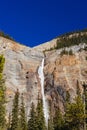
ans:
x=45 y=106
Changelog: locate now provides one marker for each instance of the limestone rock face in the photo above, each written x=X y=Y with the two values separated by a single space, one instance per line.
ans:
x=20 y=71
x=46 y=46
x=61 y=72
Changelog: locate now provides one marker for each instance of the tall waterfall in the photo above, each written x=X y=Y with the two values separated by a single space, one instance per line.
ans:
x=45 y=106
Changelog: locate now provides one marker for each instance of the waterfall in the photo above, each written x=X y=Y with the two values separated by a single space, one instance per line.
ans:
x=45 y=106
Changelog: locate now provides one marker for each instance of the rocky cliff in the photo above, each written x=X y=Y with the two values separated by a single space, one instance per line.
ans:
x=61 y=72
x=20 y=71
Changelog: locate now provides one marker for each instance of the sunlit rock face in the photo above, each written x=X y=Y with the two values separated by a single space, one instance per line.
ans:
x=60 y=73
x=20 y=71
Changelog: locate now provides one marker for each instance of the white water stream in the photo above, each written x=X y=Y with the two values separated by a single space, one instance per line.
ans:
x=45 y=106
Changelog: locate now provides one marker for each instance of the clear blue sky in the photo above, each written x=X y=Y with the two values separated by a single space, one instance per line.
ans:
x=32 y=22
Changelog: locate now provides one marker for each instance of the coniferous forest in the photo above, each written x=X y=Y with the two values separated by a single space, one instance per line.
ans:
x=74 y=117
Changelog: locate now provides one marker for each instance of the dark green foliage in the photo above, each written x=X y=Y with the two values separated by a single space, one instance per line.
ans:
x=50 y=124
x=78 y=92
x=2 y=93
x=22 y=119
x=58 y=120
x=32 y=123
x=50 y=120
x=74 y=116
x=64 y=52
x=67 y=96
x=86 y=106
x=73 y=32
x=6 y=36
x=40 y=116
x=67 y=100
x=65 y=41
x=85 y=100
x=71 y=52
x=9 y=122
x=15 y=112
x=85 y=48
x=86 y=57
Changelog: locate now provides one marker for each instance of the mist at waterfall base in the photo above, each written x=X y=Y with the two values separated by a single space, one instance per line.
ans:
x=45 y=105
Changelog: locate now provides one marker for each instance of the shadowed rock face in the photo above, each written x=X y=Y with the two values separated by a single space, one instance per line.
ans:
x=61 y=73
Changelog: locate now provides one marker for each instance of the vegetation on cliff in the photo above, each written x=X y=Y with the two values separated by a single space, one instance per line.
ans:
x=22 y=113
x=15 y=112
x=37 y=120
x=18 y=119
x=2 y=94
x=67 y=41
x=6 y=36
x=70 y=39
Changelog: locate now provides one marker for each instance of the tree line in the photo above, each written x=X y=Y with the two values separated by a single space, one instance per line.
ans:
x=6 y=36
x=64 y=41
x=74 y=117
x=67 y=41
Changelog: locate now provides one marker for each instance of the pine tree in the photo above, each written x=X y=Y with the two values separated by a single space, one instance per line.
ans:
x=2 y=94
x=50 y=124
x=58 y=120
x=50 y=120
x=22 y=120
x=15 y=112
x=78 y=92
x=67 y=100
x=75 y=114
x=86 y=104
x=32 y=123
x=9 y=122
x=40 y=116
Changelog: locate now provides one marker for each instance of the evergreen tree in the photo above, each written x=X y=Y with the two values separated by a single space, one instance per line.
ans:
x=9 y=122
x=15 y=112
x=86 y=105
x=67 y=100
x=67 y=103
x=22 y=120
x=2 y=94
x=32 y=123
x=50 y=124
x=74 y=116
x=58 y=120
x=67 y=97
x=50 y=120
x=40 y=116
x=78 y=92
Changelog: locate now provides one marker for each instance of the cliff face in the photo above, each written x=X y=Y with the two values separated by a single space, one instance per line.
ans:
x=20 y=71
x=61 y=72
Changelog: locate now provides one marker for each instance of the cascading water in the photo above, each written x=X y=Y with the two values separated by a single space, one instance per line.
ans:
x=45 y=106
